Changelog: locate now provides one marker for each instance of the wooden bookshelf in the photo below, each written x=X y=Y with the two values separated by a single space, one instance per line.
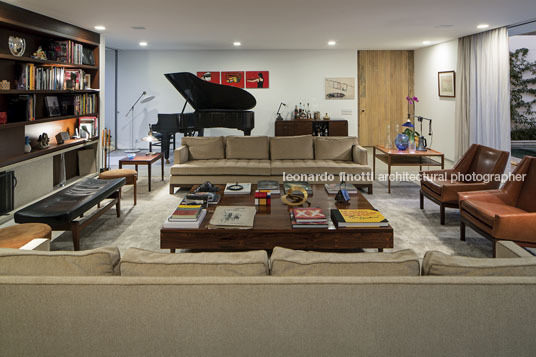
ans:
x=40 y=31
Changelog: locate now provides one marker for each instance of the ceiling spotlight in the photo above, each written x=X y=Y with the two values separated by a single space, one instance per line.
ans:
x=100 y=28
x=426 y=42
x=332 y=43
x=482 y=26
x=143 y=44
x=237 y=44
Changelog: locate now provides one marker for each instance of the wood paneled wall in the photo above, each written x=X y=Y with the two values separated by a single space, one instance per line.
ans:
x=385 y=80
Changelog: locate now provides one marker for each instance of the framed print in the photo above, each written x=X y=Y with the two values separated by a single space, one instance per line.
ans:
x=446 y=82
x=233 y=79
x=53 y=106
x=257 y=79
x=340 y=88
x=212 y=77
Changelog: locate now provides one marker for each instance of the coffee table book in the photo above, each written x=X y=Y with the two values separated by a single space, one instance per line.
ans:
x=319 y=224
x=305 y=185
x=273 y=186
x=309 y=215
x=358 y=218
x=233 y=217
x=185 y=224
x=186 y=213
x=246 y=189
x=333 y=188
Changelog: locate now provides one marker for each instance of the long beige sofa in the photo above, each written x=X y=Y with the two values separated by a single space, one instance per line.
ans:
x=222 y=160
x=223 y=304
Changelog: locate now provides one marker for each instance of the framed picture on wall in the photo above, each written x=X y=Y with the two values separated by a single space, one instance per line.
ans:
x=446 y=82
x=339 y=88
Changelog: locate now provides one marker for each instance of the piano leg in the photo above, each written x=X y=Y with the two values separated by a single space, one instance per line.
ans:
x=165 y=147
x=200 y=132
x=247 y=132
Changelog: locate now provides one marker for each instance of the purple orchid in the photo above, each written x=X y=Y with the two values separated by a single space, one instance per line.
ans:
x=412 y=100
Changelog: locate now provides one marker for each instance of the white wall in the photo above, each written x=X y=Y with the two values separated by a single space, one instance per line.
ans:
x=295 y=76
x=428 y=62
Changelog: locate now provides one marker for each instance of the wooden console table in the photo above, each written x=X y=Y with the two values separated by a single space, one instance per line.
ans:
x=395 y=157
x=307 y=127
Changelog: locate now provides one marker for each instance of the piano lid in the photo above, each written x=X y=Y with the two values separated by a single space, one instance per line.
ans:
x=203 y=95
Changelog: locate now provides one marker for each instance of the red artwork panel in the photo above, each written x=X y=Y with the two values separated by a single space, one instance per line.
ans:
x=257 y=79
x=233 y=79
x=212 y=77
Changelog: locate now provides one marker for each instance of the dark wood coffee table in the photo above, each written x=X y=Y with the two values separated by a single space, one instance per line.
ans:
x=272 y=228
x=143 y=159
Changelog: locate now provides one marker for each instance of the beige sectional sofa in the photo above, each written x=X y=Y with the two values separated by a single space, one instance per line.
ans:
x=222 y=160
x=222 y=304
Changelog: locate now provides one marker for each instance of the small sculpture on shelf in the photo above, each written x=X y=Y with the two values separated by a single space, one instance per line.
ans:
x=263 y=198
x=40 y=54
x=27 y=146
x=5 y=85
x=43 y=141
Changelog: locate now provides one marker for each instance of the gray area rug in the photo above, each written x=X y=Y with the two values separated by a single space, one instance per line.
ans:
x=139 y=226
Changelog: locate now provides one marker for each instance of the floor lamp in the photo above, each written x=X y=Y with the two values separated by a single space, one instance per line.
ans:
x=131 y=111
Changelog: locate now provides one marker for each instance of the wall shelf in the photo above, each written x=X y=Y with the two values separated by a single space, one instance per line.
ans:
x=45 y=120
x=4 y=56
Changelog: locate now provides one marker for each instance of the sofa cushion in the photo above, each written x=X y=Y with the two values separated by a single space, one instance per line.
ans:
x=95 y=262
x=334 y=147
x=291 y=147
x=317 y=167
x=139 y=262
x=204 y=148
x=222 y=167
x=438 y=263
x=247 y=147
x=288 y=262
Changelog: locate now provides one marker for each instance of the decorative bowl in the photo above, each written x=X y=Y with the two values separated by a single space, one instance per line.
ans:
x=402 y=141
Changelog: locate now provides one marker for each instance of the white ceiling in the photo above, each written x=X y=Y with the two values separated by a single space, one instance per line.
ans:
x=278 y=24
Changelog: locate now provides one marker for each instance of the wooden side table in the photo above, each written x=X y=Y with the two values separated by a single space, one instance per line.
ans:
x=395 y=157
x=143 y=159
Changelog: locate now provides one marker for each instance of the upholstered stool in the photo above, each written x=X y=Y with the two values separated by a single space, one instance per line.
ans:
x=130 y=175
x=19 y=235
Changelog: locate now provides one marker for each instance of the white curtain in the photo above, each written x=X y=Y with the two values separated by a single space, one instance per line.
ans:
x=483 y=86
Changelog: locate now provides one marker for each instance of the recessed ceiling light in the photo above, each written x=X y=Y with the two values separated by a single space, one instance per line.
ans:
x=426 y=42
x=237 y=44
x=482 y=26
x=137 y=27
x=332 y=43
x=100 y=28
x=143 y=44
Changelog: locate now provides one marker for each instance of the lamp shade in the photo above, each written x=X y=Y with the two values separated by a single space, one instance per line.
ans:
x=408 y=124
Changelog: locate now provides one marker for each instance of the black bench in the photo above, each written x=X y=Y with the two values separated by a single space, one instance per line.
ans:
x=62 y=210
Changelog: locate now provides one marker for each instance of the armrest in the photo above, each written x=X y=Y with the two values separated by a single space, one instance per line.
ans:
x=445 y=172
x=515 y=226
x=181 y=155
x=507 y=249
x=359 y=155
x=484 y=195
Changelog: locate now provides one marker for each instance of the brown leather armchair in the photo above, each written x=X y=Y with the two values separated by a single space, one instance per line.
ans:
x=505 y=214
x=443 y=186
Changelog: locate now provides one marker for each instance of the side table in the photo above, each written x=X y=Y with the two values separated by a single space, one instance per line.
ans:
x=143 y=159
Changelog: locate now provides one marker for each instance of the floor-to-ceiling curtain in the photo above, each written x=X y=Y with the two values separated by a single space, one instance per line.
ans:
x=483 y=85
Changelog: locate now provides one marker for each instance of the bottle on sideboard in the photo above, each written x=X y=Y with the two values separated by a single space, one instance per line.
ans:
x=296 y=113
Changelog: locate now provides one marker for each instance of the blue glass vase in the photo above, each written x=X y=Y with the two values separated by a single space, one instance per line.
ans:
x=402 y=141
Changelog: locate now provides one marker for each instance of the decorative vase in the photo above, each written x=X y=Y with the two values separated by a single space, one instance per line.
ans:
x=412 y=146
x=27 y=146
x=402 y=141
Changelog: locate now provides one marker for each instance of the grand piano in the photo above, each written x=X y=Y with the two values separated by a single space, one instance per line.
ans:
x=215 y=105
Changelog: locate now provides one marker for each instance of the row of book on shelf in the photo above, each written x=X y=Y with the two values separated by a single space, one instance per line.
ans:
x=33 y=77
x=68 y=52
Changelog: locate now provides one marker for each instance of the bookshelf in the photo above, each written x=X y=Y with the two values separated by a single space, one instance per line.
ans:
x=35 y=117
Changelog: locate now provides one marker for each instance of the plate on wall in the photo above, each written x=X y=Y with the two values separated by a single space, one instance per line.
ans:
x=17 y=45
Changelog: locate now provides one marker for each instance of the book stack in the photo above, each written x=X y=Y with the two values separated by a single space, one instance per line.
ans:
x=311 y=217
x=305 y=185
x=186 y=216
x=333 y=188
x=202 y=198
x=273 y=186
x=263 y=198
x=237 y=189
x=358 y=218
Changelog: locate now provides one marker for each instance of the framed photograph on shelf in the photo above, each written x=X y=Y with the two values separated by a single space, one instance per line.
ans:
x=53 y=106
x=446 y=82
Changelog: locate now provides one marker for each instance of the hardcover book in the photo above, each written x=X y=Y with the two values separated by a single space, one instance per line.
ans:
x=358 y=218
x=184 y=212
x=233 y=217
x=296 y=224
x=333 y=188
x=233 y=189
x=186 y=223
x=309 y=215
x=304 y=185
x=273 y=186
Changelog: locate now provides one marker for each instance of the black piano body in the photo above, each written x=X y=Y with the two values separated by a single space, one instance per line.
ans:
x=215 y=105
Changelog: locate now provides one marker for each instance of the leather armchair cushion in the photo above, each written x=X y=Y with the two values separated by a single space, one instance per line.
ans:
x=140 y=262
x=438 y=263
x=487 y=210
x=289 y=262
x=334 y=148
x=204 y=148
